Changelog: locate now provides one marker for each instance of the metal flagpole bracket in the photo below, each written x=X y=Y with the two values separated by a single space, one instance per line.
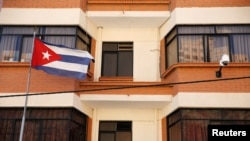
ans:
x=223 y=62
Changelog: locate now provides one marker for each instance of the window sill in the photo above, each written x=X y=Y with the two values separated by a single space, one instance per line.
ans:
x=116 y=79
x=15 y=64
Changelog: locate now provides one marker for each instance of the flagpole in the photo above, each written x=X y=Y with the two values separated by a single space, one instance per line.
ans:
x=27 y=93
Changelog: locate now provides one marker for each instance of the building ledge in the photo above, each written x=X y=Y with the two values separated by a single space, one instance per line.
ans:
x=128 y=2
x=125 y=19
x=215 y=66
x=126 y=101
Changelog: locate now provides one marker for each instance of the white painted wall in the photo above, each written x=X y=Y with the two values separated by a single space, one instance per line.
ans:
x=36 y=16
x=144 y=131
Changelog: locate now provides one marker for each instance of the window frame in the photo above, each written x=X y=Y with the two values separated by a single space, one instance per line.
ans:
x=193 y=120
x=211 y=30
x=116 y=50
x=79 y=36
x=116 y=130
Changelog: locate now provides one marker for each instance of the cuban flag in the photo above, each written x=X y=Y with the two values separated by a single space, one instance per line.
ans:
x=60 y=60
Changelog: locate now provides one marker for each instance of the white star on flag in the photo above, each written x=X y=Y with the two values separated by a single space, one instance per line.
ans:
x=46 y=55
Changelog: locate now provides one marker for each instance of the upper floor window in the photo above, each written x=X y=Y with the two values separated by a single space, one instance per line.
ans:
x=115 y=131
x=117 y=59
x=207 y=43
x=16 y=42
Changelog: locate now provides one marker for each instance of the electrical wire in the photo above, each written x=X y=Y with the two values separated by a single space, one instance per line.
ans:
x=128 y=87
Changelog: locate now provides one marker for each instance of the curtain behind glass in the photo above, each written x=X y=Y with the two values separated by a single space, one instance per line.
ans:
x=18 y=30
x=59 y=30
x=195 y=29
x=194 y=130
x=191 y=49
x=233 y=29
x=27 y=49
x=241 y=48
x=67 y=40
x=175 y=132
x=218 y=45
x=11 y=43
x=16 y=42
x=9 y=48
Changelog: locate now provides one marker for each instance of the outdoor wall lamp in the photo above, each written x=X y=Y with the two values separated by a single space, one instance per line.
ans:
x=223 y=62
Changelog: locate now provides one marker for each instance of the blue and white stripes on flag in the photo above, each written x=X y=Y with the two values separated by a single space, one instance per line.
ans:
x=60 y=60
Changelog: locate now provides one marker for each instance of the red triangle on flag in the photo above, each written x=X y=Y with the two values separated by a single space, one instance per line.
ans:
x=43 y=54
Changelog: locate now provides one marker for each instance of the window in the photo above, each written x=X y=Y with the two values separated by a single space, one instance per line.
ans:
x=117 y=59
x=44 y=124
x=218 y=45
x=115 y=131
x=16 y=42
x=241 y=48
x=187 y=124
x=190 y=49
x=207 y=43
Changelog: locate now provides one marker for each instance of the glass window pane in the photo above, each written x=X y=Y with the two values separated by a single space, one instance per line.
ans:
x=110 y=47
x=218 y=45
x=233 y=29
x=10 y=48
x=194 y=129
x=68 y=41
x=107 y=126
x=109 y=64
x=27 y=46
x=16 y=42
x=123 y=136
x=175 y=132
x=125 y=63
x=83 y=36
x=81 y=45
x=171 y=53
x=107 y=137
x=19 y=30
x=195 y=29
x=173 y=118
x=124 y=126
x=240 y=49
x=171 y=35
x=191 y=49
x=60 y=30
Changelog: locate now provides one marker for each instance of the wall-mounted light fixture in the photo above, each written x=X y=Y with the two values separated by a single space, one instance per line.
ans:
x=223 y=62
